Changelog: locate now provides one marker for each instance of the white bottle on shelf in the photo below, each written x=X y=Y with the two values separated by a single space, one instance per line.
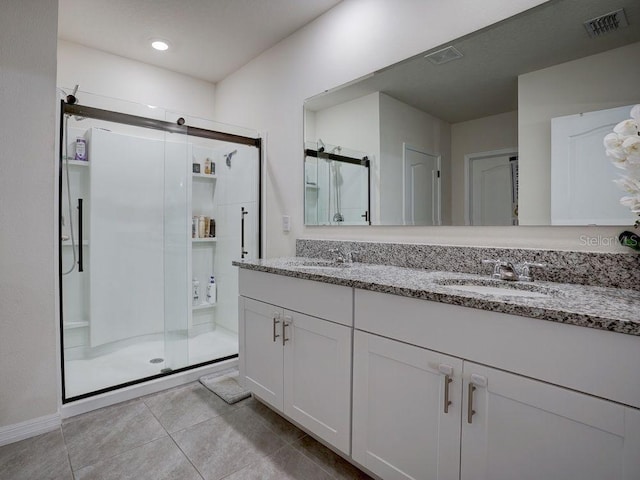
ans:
x=212 y=294
x=195 y=284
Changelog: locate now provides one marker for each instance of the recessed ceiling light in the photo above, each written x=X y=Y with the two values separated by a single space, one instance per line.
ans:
x=160 y=45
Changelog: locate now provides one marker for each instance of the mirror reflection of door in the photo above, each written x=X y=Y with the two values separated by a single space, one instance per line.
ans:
x=492 y=192
x=421 y=187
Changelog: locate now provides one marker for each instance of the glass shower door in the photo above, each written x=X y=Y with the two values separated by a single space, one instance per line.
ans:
x=225 y=184
x=124 y=246
x=129 y=255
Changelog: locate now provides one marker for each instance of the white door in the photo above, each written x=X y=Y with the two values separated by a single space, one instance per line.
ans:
x=529 y=430
x=582 y=188
x=421 y=187
x=400 y=428
x=261 y=354
x=492 y=196
x=317 y=377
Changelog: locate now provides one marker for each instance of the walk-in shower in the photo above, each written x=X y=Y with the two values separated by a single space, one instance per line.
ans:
x=151 y=216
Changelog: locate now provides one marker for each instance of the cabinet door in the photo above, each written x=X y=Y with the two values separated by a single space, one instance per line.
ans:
x=261 y=350
x=400 y=428
x=531 y=430
x=317 y=377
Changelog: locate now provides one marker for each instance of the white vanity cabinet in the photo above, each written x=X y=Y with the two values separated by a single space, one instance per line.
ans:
x=406 y=410
x=516 y=427
x=525 y=424
x=297 y=362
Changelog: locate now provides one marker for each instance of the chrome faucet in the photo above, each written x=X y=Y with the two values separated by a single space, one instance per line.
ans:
x=504 y=270
x=342 y=255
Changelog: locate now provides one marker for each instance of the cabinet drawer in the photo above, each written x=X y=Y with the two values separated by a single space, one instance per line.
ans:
x=324 y=300
x=601 y=363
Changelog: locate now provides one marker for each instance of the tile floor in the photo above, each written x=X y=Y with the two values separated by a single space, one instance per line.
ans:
x=183 y=433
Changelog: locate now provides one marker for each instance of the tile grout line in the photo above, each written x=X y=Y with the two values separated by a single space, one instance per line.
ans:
x=231 y=411
x=187 y=457
x=253 y=463
x=113 y=456
x=66 y=449
x=292 y=442
x=314 y=461
x=173 y=439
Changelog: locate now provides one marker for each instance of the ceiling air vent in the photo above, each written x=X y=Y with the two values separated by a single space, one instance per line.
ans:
x=607 y=23
x=443 y=55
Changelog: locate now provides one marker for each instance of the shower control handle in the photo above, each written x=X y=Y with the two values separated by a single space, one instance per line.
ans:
x=243 y=252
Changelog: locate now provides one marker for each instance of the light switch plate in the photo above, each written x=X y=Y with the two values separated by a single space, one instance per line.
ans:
x=286 y=223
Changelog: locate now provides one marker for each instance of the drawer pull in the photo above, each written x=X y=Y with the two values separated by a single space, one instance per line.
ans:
x=285 y=324
x=470 y=410
x=447 y=402
x=276 y=321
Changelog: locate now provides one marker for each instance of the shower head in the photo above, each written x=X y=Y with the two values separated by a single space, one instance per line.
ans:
x=228 y=157
x=321 y=144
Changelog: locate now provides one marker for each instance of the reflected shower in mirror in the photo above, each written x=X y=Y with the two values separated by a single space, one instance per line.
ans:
x=336 y=186
x=495 y=128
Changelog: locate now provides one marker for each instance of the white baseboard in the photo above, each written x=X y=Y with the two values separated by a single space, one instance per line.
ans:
x=29 y=428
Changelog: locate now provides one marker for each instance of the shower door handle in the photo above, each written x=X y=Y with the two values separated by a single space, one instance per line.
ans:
x=243 y=252
x=80 y=260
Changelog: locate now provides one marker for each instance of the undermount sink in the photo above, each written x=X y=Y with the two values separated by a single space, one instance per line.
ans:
x=321 y=265
x=499 y=288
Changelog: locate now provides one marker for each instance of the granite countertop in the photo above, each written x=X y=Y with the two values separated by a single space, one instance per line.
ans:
x=611 y=309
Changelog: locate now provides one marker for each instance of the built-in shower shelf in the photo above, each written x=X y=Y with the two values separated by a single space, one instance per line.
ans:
x=71 y=325
x=78 y=163
x=204 y=175
x=67 y=243
x=204 y=306
x=204 y=240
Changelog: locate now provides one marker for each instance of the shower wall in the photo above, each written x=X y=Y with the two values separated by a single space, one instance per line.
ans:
x=126 y=217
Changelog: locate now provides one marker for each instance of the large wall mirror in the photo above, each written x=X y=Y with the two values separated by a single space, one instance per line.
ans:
x=500 y=127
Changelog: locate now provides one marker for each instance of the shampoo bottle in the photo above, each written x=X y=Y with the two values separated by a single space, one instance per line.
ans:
x=212 y=294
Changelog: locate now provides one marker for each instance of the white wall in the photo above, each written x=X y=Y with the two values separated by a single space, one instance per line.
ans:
x=486 y=134
x=351 y=40
x=607 y=80
x=117 y=77
x=28 y=262
x=401 y=123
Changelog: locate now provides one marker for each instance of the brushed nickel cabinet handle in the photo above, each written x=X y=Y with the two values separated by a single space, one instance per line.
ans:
x=447 y=402
x=276 y=321
x=285 y=324
x=470 y=410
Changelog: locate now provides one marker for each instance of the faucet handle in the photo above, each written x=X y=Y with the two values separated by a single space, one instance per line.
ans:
x=525 y=270
x=496 y=266
x=342 y=255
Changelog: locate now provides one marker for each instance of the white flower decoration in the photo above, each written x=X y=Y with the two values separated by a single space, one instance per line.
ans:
x=631 y=147
x=623 y=148
x=631 y=185
x=631 y=201
x=627 y=127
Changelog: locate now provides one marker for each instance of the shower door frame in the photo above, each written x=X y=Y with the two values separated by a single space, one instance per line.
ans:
x=162 y=125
